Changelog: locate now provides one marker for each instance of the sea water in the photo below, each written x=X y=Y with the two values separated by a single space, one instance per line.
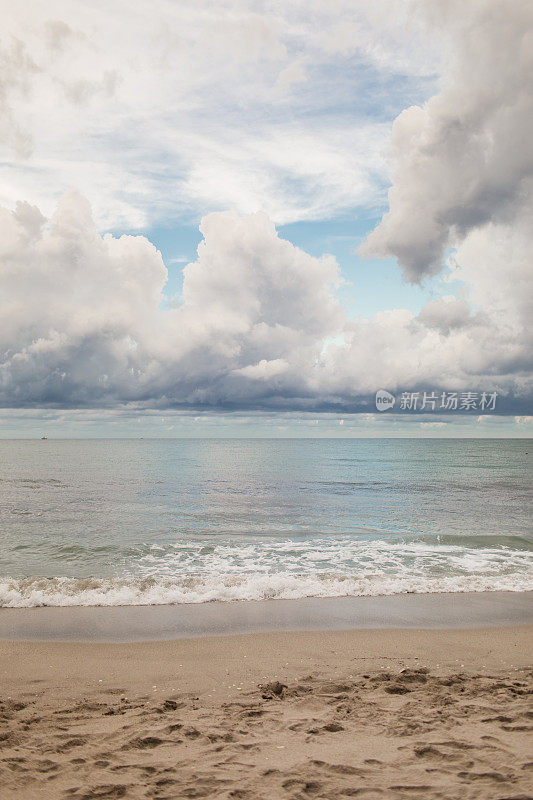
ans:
x=122 y=522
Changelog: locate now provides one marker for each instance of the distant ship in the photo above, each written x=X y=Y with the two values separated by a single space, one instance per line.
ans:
x=44 y=437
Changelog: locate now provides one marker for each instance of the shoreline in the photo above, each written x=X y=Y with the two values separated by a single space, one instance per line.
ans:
x=225 y=665
x=182 y=621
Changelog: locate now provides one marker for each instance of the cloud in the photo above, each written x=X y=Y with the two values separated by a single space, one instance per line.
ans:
x=400 y=351
x=17 y=69
x=464 y=159
x=263 y=369
x=82 y=321
x=260 y=324
x=446 y=313
x=195 y=99
x=73 y=305
x=289 y=75
x=225 y=105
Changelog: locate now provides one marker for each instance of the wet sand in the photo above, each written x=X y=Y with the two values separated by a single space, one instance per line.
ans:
x=375 y=713
x=155 y=623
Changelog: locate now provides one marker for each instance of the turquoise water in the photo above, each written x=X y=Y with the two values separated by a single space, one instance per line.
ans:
x=112 y=522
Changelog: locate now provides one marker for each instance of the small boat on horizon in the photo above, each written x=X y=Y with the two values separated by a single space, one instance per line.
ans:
x=43 y=437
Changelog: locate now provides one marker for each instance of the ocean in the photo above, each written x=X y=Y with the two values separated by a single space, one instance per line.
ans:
x=140 y=522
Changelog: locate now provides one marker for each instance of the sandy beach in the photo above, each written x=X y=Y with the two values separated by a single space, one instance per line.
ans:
x=401 y=713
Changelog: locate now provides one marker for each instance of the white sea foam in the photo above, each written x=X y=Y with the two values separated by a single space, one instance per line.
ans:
x=283 y=570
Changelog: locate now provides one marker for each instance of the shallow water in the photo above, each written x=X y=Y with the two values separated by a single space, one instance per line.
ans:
x=113 y=522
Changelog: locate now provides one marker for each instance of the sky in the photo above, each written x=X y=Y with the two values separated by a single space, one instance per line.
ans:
x=247 y=218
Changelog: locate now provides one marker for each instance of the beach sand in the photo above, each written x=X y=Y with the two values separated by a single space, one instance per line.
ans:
x=337 y=714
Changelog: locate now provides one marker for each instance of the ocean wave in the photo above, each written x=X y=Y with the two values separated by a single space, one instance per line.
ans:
x=35 y=592
x=288 y=569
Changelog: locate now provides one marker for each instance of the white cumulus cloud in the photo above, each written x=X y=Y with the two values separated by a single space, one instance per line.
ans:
x=259 y=325
x=464 y=159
